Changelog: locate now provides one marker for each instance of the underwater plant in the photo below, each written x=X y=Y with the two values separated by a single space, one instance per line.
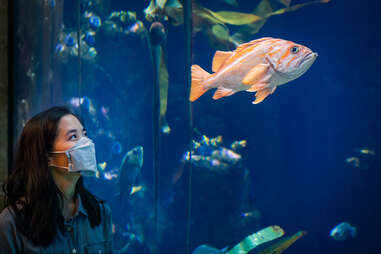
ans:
x=214 y=24
x=282 y=244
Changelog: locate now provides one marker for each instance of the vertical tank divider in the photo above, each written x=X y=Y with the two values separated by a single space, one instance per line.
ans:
x=187 y=8
x=11 y=111
x=79 y=54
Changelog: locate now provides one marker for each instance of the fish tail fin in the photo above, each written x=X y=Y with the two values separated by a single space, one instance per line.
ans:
x=198 y=87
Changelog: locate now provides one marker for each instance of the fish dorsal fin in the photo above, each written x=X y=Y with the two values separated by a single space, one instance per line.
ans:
x=256 y=74
x=219 y=59
x=222 y=92
x=251 y=43
x=244 y=48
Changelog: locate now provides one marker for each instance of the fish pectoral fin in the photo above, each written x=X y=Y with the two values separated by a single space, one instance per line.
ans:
x=222 y=92
x=257 y=87
x=263 y=93
x=219 y=59
x=256 y=74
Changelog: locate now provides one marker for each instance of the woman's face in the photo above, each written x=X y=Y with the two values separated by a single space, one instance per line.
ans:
x=70 y=130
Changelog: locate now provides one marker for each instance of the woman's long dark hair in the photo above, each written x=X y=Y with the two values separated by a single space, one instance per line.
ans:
x=30 y=189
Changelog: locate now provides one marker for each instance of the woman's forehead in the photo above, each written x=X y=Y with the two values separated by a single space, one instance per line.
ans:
x=69 y=122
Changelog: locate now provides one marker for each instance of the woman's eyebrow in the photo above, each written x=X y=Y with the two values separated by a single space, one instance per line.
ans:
x=71 y=131
x=74 y=131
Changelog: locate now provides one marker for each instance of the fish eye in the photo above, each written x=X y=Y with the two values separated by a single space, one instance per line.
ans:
x=294 y=49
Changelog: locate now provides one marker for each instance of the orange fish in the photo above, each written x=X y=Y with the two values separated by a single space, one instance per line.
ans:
x=257 y=66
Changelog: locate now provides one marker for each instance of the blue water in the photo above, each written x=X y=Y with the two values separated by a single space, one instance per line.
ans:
x=298 y=138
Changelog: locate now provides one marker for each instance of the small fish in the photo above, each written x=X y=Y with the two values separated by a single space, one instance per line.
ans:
x=90 y=38
x=95 y=21
x=59 y=48
x=252 y=215
x=366 y=151
x=129 y=170
x=354 y=161
x=195 y=145
x=102 y=166
x=70 y=40
x=136 y=189
x=216 y=141
x=237 y=145
x=343 y=231
x=257 y=66
x=137 y=27
x=75 y=102
x=110 y=175
x=204 y=140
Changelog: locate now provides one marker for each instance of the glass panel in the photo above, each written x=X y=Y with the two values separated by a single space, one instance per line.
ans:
x=37 y=25
x=303 y=157
x=116 y=104
x=301 y=150
x=95 y=57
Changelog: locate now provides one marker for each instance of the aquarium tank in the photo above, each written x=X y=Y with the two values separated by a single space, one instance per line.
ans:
x=220 y=126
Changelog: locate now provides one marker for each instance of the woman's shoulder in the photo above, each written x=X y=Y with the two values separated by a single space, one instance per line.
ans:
x=7 y=219
x=10 y=242
x=7 y=215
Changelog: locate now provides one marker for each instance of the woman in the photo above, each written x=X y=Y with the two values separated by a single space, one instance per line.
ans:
x=48 y=208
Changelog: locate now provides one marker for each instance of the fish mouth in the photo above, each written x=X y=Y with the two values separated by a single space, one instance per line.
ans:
x=309 y=56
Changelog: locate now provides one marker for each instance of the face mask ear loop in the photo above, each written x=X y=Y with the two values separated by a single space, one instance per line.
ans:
x=70 y=165
x=50 y=161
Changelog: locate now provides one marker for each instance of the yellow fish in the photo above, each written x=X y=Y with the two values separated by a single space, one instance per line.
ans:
x=257 y=66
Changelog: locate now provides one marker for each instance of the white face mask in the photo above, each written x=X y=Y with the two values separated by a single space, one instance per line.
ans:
x=81 y=157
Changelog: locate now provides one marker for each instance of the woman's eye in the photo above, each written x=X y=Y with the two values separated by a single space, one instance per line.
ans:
x=73 y=137
x=294 y=49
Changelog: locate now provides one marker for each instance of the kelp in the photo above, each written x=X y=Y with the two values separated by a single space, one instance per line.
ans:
x=214 y=24
x=157 y=44
x=167 y=10
x=282 y=244
x=163 y=90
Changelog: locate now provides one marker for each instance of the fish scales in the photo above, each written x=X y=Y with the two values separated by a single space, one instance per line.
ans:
x=237 y=66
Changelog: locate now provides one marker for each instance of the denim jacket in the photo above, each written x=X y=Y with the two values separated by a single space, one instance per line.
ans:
x=78 y=238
